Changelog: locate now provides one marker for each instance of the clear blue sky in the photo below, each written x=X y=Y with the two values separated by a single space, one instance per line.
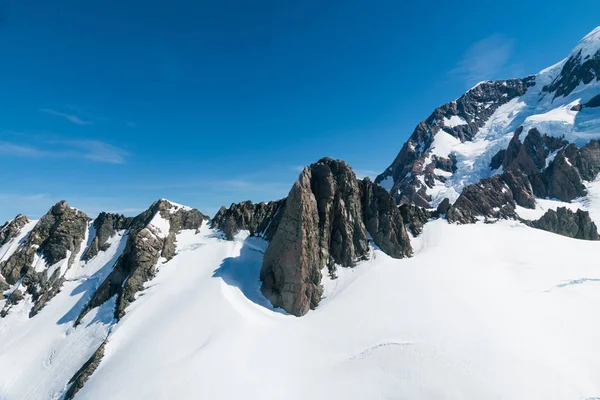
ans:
x=113 y=104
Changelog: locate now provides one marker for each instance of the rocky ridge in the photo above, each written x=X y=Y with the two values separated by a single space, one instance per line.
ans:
x=152 y=235
x=38 y=264
x=325 y=221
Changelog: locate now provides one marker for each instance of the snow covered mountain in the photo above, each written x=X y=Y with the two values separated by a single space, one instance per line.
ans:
x=466 y=140
x=336 y=291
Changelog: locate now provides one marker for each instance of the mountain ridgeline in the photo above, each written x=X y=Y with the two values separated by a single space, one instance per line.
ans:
x=526 y=150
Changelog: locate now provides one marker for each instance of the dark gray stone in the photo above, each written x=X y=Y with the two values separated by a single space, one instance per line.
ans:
x=489 y=198
x=144 y=247
x=11 y=229
x=56 y=235
x=574 y=72
x=444 y=206
x=562 y=180
x=593 y=102
x=106 y=226
x=324 y=223
x=260 y=219
x=565 y=222
x=475 y=107
x=384 y=221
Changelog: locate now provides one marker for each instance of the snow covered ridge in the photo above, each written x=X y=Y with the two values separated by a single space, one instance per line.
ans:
x=454 y=147
x=202 y=329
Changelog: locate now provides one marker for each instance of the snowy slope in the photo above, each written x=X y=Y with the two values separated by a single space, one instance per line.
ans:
x=495 y=319
x=39 y=355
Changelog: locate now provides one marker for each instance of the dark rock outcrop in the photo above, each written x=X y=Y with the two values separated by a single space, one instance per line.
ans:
x=444 y=206
x=146 y=243
x=565 y=222
x=575 y=71
x=593 y=102
x=489 y=198
x=384 y=221
x=84 y=373
x=416 y=217
x=497 y=159
x=530 y=156
x=260 y=219
x=520 y=188
x=57 y=235
x=325 y=222
x=106 y=225
x=587 y=160
x=474 y=108
x=561 y=179
x=11 y=229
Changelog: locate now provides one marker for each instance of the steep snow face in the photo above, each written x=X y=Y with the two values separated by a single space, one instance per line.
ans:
x=39 y=355
x=549 y=104
x=589 y=45
x=414 y=328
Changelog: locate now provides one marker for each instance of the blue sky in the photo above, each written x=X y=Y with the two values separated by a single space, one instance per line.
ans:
x=114 y=104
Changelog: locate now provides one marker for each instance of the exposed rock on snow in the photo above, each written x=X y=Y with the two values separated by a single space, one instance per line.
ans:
x=416 y=217
x=475 y=107
x=151 y=236
x=384 y=221
x=490 y=198
x=565 y=222
x=106 y=226
x=12 y=228
x=259 y=219
x=325 y=222
x=48 y=251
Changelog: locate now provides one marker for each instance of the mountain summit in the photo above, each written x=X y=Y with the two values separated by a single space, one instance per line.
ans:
x=467 y=271
x=466 y=140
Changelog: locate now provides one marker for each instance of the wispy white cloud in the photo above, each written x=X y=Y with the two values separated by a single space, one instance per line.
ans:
x=96 y=150
x=93 y=150
x=69 y=117
x=485 y=59
x=12 y=149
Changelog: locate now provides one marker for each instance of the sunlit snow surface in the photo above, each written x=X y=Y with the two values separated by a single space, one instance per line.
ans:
x=497 y=311
x=536 y=109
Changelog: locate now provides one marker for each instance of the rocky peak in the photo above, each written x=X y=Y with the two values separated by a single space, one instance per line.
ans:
x=11 y=229
x=57 y=237
x=582 y=66
x=326 y=220
x=152 y=235
x=460 y=119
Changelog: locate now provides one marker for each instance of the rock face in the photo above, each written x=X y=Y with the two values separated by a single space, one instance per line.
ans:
x=490 y=198
x=260 y=219
x=415 y=159
x=325 y=221
x=416 y=217
x=146 y=244
x=562 y=180
x=576 y=70
x=58 y=236
x=106 y=225
x=565 y=222
x=384 y=221
x=11 y=229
